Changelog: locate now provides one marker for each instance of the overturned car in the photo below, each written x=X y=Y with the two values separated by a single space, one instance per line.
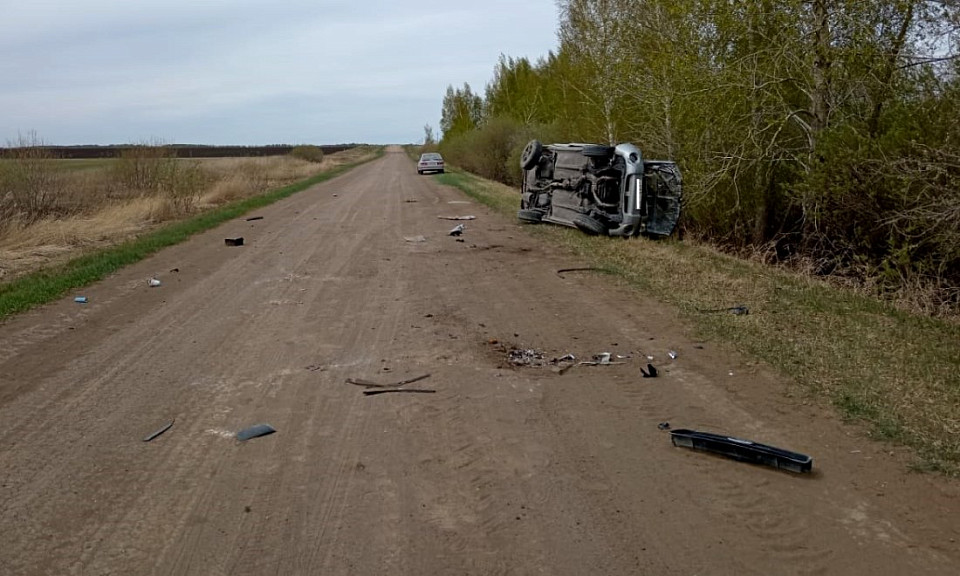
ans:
x=602 y=190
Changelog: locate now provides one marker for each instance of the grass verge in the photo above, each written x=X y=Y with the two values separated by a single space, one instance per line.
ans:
x=895 y=372
x=47 y=285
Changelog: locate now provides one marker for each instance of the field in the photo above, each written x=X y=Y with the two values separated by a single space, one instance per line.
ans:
x=71 y=206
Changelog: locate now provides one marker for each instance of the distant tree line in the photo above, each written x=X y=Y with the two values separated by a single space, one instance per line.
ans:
x=177 y=150
x=818 y=131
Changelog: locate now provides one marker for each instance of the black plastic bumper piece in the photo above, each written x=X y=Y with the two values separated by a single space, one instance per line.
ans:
x=743 y=450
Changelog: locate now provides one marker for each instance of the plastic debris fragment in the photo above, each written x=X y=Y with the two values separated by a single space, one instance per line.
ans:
x=255 y=432
x=159 y=431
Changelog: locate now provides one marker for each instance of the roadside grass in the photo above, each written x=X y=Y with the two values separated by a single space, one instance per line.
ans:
x=896 y=372
x=49 y=284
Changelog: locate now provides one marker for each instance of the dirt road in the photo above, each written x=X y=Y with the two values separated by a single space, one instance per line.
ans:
x=503 y=470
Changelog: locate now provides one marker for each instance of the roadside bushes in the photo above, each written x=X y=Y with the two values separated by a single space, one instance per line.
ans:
x=308 y=152
x=492 y=150
x=146 y=170
x=29 y=190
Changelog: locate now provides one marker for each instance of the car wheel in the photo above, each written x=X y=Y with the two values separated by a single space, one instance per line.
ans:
x=441 y=171
x=420 y=172
x=597 y=151
x=590 y=226
x=531 y=154
x=531 y=216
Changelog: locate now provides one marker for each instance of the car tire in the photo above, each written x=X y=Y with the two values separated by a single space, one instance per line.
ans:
x=420 y=172
x=530 y=216
x=441 y=171
x=597 y=151
x=590 y=226
x=531 y=154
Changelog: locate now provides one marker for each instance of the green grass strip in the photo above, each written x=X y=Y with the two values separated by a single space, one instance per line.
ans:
x=896 y=372
x=47 y=285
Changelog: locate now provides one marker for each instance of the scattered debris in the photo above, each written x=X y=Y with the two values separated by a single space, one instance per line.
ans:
x=739 y=310
x=415 y=239
x=159 y=431
x=587 y=269
x=602 y=359
x=336 y=195
x=154 y=282
x=174 y=270
x=80 y=299
x=457 y=217
x=672 y=354
x=369 y=384
x=255 y=432
x=410 y=390
x=663 y=426
x=529 y=357
x=252 y=218
x=568 y=361
x=314 y=367
x=742 y=450
x=460 y=240
x=457 y=230
x=650 y=372
x=411 y=201
x=238 y=241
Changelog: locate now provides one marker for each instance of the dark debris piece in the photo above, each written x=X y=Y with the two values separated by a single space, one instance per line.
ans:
x=735 y=310
x=255 y=432
x=252 y=218
x=742 y=450
x=663 y=426
x=238 y=241
x=650 y=372
x=159 y=431
x=561 y=271
x=369 y=384
x=398 y=390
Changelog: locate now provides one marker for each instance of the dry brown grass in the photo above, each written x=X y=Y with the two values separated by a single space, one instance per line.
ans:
x=109 y=201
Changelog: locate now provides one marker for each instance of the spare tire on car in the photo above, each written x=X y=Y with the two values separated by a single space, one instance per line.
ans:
x=531 y=154
x=597 y=151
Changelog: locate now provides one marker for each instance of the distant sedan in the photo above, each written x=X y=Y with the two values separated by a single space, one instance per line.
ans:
x=430 y=162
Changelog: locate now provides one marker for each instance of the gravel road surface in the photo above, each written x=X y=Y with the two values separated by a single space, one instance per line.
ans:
x=503 y=470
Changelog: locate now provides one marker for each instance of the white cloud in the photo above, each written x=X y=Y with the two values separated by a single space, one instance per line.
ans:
x=105 y=71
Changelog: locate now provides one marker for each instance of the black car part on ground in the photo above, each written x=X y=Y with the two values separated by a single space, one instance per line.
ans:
x=742 y=450
x=255 y=432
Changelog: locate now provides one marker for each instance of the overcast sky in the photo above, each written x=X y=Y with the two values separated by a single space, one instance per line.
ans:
x=250 y=71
